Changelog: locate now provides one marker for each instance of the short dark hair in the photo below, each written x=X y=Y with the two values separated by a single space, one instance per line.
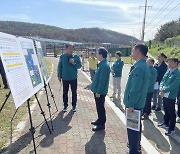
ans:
x=173 y=59
x=163 y=55
x=69 y=44
x=118 y=53
x=142 y=48
x=103 y=51
x=152 y=60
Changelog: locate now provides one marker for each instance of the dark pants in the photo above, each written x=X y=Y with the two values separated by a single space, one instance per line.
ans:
x=169 y=110
x=134 y=140
x=147 y=108
x=73 y=84
x=101 y=109
x=3 y=74
x=178 y=102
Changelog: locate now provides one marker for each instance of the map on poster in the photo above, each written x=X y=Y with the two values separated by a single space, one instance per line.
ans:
x=23 y=82
x=32 y=63
x=42 y=62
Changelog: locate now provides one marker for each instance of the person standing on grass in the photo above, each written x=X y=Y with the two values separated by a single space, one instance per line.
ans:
x=3 y=75
x=169 y=87
x=116 y=71
x=92 y=64
x=67 y=71
x=153 y=77
x=178 y=101
x=100 y=87
x=136 y=92
x=161 y=68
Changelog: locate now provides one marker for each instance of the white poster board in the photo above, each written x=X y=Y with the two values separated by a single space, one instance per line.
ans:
x=133 y=119
x=32 y=63
x=42 y=62
x=16 y=69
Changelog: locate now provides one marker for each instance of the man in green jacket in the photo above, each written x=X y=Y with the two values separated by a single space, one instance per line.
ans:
x=169 y=87
x=68 y=66
x=116 y=70
x=99 y=87
x=153 y=77
x=136 y=91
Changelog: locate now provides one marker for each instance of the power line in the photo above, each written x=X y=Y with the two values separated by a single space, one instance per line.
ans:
x=169 y=13
x=169 y=2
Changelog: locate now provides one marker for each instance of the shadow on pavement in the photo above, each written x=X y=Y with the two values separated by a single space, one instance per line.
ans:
x=96 y=144
x=61 y=126
x=118 y=103
x=153 y=134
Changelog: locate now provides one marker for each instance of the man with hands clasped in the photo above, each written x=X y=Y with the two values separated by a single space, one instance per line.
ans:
x=169 y=87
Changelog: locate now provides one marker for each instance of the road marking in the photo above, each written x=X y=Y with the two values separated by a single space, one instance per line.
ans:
x=148 y=147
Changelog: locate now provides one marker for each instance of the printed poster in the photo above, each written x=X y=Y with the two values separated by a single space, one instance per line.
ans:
x=42 y=62
x=21 y=67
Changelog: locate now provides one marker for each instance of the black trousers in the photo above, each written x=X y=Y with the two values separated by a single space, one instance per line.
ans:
x=100 y=102
x=134 y=140
x=178 y=102
x=147 y=108
x=3 y=74
x=169 y=110
x=73 y=84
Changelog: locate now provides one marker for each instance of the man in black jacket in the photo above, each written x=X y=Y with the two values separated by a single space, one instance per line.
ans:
x=161 y=68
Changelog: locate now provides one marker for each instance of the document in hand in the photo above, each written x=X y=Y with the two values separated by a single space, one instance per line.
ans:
x=133 y=119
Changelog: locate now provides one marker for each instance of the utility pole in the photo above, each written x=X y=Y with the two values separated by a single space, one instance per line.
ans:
x=144 y=20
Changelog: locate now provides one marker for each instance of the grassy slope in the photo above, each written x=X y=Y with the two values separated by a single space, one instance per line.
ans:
x=170 y=52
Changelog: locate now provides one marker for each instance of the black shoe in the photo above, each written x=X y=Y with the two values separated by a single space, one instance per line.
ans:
x=74 y=109
x=94 y=123
x=153 y=107
x=65 y=109
x=145 y=117
x=158 y=110
x=97 y=128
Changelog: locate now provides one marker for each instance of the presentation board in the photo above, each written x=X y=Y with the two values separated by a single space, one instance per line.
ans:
x=21 y=66
x=42 y=62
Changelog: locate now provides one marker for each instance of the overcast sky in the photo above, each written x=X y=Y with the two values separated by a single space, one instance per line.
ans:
x=123 y=16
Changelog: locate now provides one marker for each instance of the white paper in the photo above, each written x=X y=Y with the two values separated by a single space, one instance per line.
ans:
x=133 y=120
x=19 y=76
x=166 y=94
x=156 y=86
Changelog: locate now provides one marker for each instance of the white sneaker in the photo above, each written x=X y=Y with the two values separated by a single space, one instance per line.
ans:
x=178 y=119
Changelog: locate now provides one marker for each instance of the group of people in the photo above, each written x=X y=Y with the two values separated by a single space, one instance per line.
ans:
x=146 y=80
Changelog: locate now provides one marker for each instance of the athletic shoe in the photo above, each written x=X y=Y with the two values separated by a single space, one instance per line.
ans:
x=163 y=125
x=178 y=119
x=169 y=132
x=65 y=109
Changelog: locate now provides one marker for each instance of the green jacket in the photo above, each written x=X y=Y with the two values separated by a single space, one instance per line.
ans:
x=100 y=82
x=117 y=68
x=137 y=85
x=67 y=71
x=171 y=83
x=153 y=77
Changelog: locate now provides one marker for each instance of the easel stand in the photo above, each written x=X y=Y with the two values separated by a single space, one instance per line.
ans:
x=7 y=96
x=52 y=95
x=32 y=129
x=48 y=105
x=42 y=112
